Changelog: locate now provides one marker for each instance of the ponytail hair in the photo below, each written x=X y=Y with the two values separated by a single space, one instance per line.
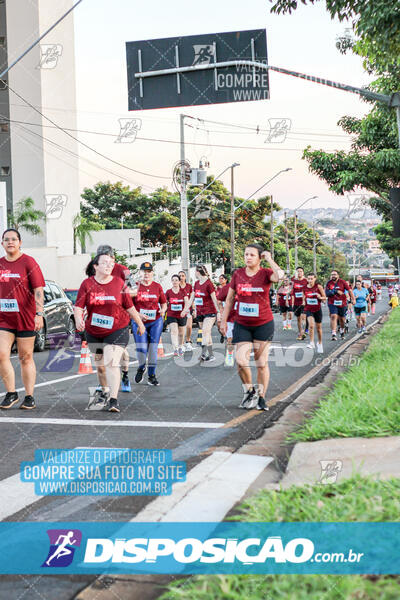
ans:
x=202 y=269
x=90 y=270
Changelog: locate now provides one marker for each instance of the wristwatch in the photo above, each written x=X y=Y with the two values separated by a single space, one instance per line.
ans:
x=39 y=314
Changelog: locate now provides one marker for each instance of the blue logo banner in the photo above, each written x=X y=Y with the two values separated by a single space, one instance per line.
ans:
x=193 y=548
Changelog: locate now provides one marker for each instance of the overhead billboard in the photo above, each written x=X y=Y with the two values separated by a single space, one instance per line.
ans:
x=197 y=87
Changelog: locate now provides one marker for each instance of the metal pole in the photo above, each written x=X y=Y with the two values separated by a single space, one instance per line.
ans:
x=232 y=222
x=354 y=267
x=184 y=213
x=272 y=229
x=314 y=249
x=295 y=239
x=333 y=252
x=287 y=245
x=38 y=40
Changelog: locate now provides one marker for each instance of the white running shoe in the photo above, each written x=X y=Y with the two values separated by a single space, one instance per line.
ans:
x=188 y=347
x=320 y=348
x=311 y=345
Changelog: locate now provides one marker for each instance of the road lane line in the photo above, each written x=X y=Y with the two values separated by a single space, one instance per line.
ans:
x=109 y=423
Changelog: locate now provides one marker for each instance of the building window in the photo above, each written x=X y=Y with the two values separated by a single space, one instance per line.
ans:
x=4 y=171
x=4 y=128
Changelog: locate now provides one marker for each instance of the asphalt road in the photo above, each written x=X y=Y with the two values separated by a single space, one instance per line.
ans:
x=195 y=408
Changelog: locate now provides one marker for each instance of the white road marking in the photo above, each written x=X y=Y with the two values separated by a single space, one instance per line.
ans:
x=109 y=423
x=222 y=477
x=60 y=379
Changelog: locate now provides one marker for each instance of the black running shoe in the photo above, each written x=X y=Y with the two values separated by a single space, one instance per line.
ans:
x=153 y=380
x=10 y=399
x=125 y=377
x=113 y=405
x=342 y=335
x=222 y=339
x=262 y=405
x=139 y=374
x=334 y=338
x=28 y=403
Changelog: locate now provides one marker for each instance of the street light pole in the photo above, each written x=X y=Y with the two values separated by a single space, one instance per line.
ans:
x=295 y=239
x=233 y=217
x=272 y=228
x=184 y=212
x=287 y=245
x=314 y=249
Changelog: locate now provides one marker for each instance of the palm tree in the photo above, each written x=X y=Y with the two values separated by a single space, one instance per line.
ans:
x=82 y=229
x=25 y=216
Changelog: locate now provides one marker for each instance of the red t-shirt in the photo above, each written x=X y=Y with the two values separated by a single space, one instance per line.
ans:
x=187 y=290
x=176 y=302
x=106 y=305
x=18 y=279
x=283 y=295
x=297 y=292
x=221 y=296
x=336 y=299
x=202 y=297
x=253 y=297
x=120 y=271
x=148 y=300
x=313 y=304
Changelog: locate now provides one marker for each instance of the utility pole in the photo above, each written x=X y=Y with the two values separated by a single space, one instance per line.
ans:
x=272 y=229
x=287 y=245
x=314 y=249
x=184 y=212
x=232 y=222
x=354 y=267
x=295 y=239
x=333 y=252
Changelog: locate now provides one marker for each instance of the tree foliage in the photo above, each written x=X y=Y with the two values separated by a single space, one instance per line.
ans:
x=26 y=216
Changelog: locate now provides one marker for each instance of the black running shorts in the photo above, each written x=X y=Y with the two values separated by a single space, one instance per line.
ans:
x=120 y=337
x=259 y=333
x=317 y=315
x=181 y=321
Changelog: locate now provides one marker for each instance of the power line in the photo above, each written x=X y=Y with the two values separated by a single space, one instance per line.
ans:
x=82 y=143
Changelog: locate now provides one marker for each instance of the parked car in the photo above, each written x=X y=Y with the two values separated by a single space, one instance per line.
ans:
x=58 y=317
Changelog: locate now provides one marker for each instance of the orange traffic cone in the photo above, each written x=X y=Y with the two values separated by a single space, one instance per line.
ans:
x=85 y=363
x=160 y=349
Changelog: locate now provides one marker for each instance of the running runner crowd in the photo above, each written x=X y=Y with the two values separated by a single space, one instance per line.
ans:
x=108 y=306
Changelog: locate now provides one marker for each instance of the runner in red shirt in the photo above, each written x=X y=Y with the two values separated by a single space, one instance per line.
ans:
x=285 y=303
x=254 y=325
x=21 y=316
x=313 y=295
x=123 y=273
x=178 y=307
x=299 y=282
x=221 y=297
x=109 y=306
x=187 y=288
x=151 y=303
x=206 y=309
x=335 y=290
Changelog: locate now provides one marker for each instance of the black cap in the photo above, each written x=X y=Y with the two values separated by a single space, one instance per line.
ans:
x=146 y=266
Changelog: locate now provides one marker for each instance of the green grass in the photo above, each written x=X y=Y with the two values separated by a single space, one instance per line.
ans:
x=356 y=499
x=365 y=400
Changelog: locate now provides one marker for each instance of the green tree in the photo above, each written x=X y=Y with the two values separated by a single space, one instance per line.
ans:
x=82 y=228
x=26 y=216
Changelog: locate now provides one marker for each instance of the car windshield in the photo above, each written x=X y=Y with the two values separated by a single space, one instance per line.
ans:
x=72 y=295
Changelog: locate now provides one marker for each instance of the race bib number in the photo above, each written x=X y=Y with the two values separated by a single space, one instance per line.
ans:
x=298 y=294
x=312 y=301
x=151 y=314
x=102 y=321
x=248 y=310
x=176 y=307
x=337 y=302
x=9 y=305
x=198 y=301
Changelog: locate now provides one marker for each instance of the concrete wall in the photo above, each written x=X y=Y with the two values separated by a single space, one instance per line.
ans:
x=67 y=271
x=117 y=239
x=38 y=169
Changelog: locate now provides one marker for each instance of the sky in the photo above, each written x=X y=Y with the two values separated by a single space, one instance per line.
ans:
x=303 y=41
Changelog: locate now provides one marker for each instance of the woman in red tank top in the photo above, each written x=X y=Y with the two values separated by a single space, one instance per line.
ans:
x=313 y=295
